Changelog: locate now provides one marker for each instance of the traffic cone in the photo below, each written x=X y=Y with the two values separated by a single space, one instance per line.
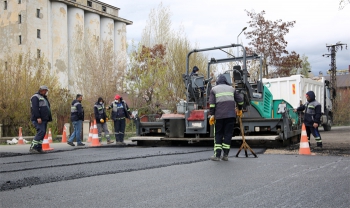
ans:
x=46 y=144
x=20 y=138
x=304 y=148
x=95 y=139
x=90 y=133
x=64 y=135
x=50 y=136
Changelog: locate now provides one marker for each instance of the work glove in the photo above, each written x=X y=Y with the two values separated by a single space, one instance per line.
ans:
x=101 y=120
x=106 y=119
x=239 y=113
x=211 y=120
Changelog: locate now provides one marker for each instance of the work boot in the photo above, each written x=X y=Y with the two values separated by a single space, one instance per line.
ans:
x=110 y=142
x=224 y=158
x=319 y=144
x=34 y=151
x=213 y=158
x=40 y=149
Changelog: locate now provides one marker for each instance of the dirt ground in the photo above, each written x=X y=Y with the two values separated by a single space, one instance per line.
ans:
x=335 y=142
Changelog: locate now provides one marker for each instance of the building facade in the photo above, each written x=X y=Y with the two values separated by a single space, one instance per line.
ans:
x=59 y=30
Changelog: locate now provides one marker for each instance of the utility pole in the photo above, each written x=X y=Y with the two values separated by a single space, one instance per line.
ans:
x=333 y=70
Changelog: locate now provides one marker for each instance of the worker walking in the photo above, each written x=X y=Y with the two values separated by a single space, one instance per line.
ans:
x=312 y=117
x=40 y=116
x=120 y=111
x=77 y=117
x=101 y=120
x=222 y=100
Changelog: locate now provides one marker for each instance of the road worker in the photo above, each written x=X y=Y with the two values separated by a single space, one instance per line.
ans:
x=41 y=115
x=312 y=117
x=77 y=118
x=101 y=120
x=222 y=100
x=120 y=111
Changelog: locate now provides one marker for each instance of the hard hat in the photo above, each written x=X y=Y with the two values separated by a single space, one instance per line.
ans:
x=117 y=97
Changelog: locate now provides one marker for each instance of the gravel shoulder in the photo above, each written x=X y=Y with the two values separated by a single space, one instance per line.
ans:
x=335 y=142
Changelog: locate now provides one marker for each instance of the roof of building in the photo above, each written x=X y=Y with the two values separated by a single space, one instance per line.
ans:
x=343 y=80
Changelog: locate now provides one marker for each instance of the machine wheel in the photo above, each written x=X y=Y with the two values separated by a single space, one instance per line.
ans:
x=328 y=126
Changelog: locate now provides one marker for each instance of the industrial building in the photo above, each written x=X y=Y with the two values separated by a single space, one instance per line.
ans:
x=59 y=30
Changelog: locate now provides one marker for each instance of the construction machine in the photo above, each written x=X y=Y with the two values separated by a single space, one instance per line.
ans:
x=263 y=117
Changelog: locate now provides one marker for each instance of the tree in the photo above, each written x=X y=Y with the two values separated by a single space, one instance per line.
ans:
x=21 y=77
x=267 y=39
x=98 y=71
x=287 y=65
x=147 y=74
x=343 y=3
x=305 y=66
x=157 y=63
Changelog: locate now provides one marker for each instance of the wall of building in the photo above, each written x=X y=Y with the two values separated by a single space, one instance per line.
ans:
x=59 y=41
x=67 y=28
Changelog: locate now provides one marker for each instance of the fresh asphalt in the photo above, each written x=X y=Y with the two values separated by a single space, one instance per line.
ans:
x=57 y=147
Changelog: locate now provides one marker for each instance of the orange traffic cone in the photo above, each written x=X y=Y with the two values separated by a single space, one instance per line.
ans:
x=20 y=137
x=90 y=133
x=64 y=135
x=95 y=139
x=46 y=144
x=304 y=148
x=50 y=136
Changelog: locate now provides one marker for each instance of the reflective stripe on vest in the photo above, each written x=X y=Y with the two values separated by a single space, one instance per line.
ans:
x=99 y=108
x=311 y=107
x=42 y=101
x=116 y=107
x=74 y=109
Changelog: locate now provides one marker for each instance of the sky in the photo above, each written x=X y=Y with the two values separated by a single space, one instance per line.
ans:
x=210 y=23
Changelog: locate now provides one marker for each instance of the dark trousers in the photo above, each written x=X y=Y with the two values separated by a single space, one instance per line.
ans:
x=40 y=134
x=223 y=135
x=314 y=131
x=119 y=129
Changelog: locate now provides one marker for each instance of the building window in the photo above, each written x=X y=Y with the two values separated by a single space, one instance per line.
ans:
x=20 y=39
x=19 y=1
x=38 y=13
x=19 y=19
x=5 y=5
x=89 y=3
x=104 y=9
x=38 y=33
x=38 y=51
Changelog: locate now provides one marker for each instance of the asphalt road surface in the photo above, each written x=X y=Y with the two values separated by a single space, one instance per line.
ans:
x=134 y=176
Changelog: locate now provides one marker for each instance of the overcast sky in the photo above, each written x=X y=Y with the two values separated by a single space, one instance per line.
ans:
x=216 y=23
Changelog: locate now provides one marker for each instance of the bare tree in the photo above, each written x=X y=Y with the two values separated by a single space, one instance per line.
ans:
x=343 y=3
x=157 y=64
x=98 y=70
x=19 y=80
